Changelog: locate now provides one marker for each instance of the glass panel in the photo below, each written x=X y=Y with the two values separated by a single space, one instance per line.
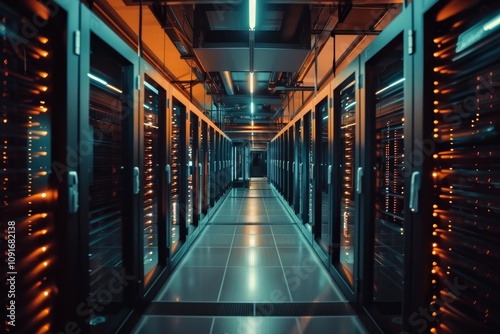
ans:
x=323 y=160
x=300 y=162
x=106 y=202
x=310 y=165
x=389 y=181
x=211 y=173
x=290 y=173
x=347 y=163
x=152 y=175
x=193 y=135
x=175 y=163
x=466 y=200
x=203 y=178
x=305 y=167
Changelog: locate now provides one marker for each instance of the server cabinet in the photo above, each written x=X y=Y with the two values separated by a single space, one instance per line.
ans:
x=345 y=222
x=241 y=163
x=37 y=133
x=290 y=165
x=211 y=168
x=322 y=179
x=387 y=205
x=383 y=178
x=193 y=177
x=306 y=168
x=203 y=156
x=153 y=148
x=179 y=187
x=281 y=164
x=216 y=163
x=459 y=142
x=109 y=173
x=296 y=167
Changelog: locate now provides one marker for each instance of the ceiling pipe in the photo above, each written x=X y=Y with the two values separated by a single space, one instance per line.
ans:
x=277 y=113
x=227 y=80
x=294 y=89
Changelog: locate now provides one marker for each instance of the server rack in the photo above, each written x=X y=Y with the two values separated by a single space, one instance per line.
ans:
x=109 y=173
x=34 y=171
x=385 y=131
x=345 y=225
x=211 y=168
x=459 y=144
x=174 y=164
x=321 y=178
x=296 y=167
x=306 y=167
x=290 y=165
x=204 y=171
x=154 y=160
x=241 y=164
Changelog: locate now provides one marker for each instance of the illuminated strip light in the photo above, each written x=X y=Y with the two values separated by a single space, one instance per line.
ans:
x=325 y=117
x=492 y=24
x=149 y=86
x=252 y=13
x=147 y=107
x=93 y=77
x=103 y=82
x=252 y=107
x=351 y=104
x=251 y=83
x=150 y=124
x=347 y=126
x=114 y=88
x=476 y=33
x=391 y=85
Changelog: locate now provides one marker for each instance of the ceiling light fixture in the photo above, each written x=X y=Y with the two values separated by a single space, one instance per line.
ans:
x=251 y=83
x=253 y=9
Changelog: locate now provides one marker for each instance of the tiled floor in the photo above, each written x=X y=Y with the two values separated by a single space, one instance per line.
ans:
x=251 y=254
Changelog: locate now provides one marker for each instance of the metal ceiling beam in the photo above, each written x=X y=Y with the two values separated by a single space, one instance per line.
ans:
x=355 y=32
x=238 y=2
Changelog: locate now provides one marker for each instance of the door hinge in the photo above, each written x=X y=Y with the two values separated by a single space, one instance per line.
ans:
x=411 y=42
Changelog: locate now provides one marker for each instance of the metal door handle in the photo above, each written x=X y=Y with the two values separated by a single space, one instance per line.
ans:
x=359 y=180
x=415 y=187
x=137 y=181
x=168 y=170
x=329 y=176
x=73 y=192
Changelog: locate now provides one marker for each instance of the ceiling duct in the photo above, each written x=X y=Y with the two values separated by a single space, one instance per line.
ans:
x=227 y=80
x=293 y=16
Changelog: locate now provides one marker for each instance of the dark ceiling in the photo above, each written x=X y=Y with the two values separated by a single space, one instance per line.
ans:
x=214 y=36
